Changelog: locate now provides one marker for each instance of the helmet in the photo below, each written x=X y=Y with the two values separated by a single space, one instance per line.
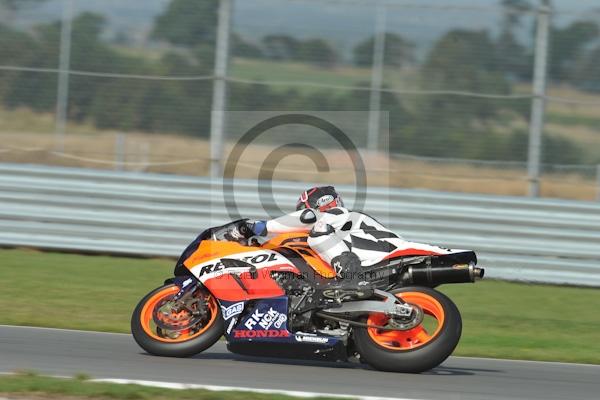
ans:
x=321 y=197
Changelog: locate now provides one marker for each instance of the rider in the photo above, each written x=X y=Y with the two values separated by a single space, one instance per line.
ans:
x=347 y=240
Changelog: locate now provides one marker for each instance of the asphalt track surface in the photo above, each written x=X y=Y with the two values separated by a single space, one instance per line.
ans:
x=105 y=355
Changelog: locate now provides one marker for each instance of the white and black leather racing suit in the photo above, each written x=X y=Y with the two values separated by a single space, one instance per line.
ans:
x=338 y=231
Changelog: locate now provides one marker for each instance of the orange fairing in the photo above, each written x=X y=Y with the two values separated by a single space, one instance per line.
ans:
x=226 y=287
x=211 y=249
x=297 y=241
x=242 y=286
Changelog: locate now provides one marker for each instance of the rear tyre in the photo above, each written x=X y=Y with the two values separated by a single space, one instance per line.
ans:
x=199 y=334
x=418 y=349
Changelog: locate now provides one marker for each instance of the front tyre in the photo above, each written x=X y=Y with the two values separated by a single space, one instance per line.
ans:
x=163 y=328
x=415 y=350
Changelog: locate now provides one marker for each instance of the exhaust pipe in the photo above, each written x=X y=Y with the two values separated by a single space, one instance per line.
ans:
x=478 y=273
x=429 y=275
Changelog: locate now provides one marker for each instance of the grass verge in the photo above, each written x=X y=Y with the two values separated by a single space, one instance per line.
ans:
x=75 y=291
x=40 y=386
x=528 y=321
x=570 y=120
x=501 y=319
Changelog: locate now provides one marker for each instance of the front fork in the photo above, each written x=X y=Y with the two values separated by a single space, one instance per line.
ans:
x=187 y=285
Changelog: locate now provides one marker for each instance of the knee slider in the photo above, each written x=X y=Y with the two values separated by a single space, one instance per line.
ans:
x=347 y=266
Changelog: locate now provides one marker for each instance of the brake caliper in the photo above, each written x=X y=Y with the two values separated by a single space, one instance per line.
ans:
x=406 y=316
x=183 y=311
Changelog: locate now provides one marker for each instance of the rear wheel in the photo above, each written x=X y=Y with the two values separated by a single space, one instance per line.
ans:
x=419 y=348
x=164 y=327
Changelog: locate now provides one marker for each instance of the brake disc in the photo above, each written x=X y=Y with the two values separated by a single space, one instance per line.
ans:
x=406 y=323
x=174 y=316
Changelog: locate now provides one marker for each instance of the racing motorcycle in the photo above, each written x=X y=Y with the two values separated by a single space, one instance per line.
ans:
x=277 y=298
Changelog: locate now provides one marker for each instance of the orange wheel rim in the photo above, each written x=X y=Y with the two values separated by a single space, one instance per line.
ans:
x=149 y=326
x=411 y=338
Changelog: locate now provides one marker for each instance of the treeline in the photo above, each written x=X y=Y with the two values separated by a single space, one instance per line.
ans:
x=574 y=50
x=430 y=125
x=397 y=51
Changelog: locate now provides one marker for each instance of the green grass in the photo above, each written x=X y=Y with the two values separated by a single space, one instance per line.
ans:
x=261 y=70
x=501 y=319
x=343 y=75
x=568 y=119
x=30 y=383
x=75 y=291
x=535 y=322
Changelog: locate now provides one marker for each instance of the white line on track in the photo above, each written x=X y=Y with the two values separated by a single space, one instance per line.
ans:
x=214 y=388
x=293 y=393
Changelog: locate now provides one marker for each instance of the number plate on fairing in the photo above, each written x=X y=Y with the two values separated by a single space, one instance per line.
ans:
x=266 y=320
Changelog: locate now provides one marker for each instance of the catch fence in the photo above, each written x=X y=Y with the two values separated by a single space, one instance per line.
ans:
x=493 y=85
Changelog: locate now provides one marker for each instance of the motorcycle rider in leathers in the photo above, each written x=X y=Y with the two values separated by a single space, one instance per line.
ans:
x=347 y=240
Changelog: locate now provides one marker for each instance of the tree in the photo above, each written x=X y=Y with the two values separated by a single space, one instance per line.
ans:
x=512 y=55
x=513 y=10
x=17 y=4
x=37 y=50
x=8 y=8
x=458 y=58
x=90 y=53
x=187 y=23
x=191 y=24
x=314 y=51
x=513 y=58
x=586 y=74
x=18 y=48
x=242 y=48
x=281 y=47
x=567 y=46
x=16 y=45
x=460 y=61
x=317 y=51
x=87 y=28
x=397 y=51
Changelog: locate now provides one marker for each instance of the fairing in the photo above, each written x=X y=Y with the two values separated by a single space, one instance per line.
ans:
x=260 y=327
x=255 y=308
x=286 y=252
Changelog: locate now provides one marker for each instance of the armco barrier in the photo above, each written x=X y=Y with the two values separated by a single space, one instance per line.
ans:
x=553 y=241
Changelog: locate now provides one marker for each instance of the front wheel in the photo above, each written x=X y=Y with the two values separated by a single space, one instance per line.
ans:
x=164 y=327
x=419 y=348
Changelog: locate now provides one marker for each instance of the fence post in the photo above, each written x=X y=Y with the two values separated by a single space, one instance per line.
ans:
x=217 y=117
x=120 y=148
x=598 y=182
x=376 y=77
x=62 y=93
x=536 y=124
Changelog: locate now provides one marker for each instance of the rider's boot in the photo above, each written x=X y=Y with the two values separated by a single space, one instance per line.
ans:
x=350 y=281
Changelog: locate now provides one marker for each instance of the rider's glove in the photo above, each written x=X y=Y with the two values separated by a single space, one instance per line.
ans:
x=240 y=232
x=258 y=228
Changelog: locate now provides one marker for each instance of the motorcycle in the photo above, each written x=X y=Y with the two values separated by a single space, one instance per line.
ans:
x=277 y=298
